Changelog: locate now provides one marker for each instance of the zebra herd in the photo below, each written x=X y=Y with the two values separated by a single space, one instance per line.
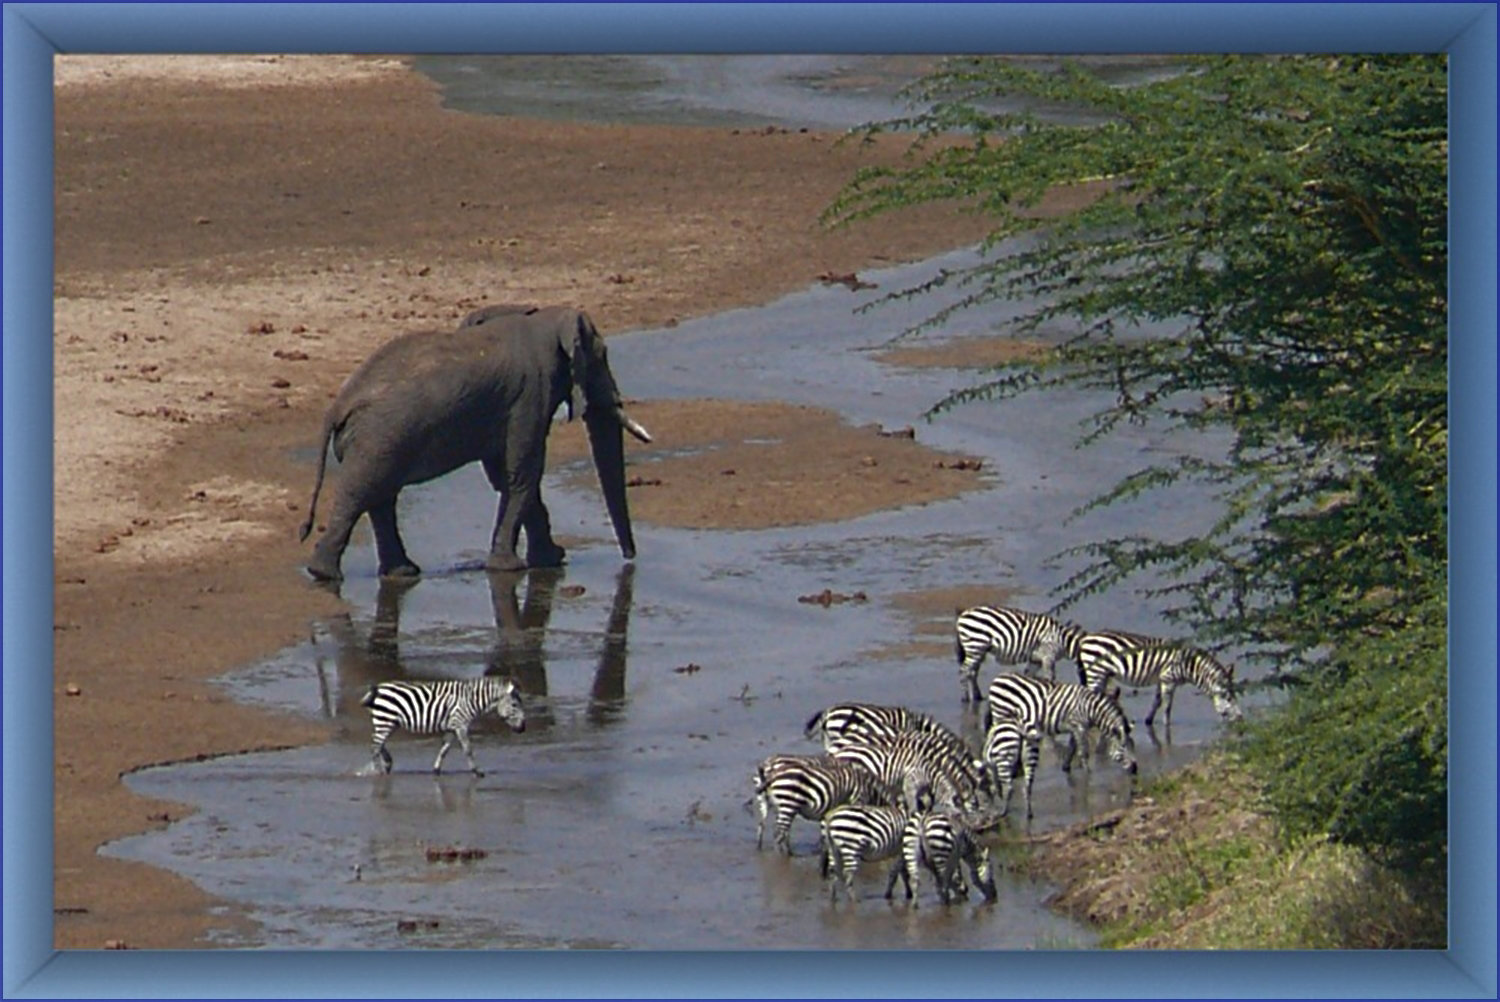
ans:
x=892 y=782
x=1017 y=637
x=896 y=784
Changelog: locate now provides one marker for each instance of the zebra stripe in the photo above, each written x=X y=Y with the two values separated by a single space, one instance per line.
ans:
x=1059 y=707
x=449 y=706
x=916 y=763
x=940 y=842
x=1166 y=667
x=855 y=832
x=790 y=786
x=845 y=724
x=1097 y=645
x=1012 y=748
x=1014 y=637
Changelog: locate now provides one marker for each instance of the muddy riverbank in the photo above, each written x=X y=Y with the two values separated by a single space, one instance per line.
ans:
x=224 y=255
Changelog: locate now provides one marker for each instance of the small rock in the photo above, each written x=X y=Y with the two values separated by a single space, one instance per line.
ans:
x=72 y=690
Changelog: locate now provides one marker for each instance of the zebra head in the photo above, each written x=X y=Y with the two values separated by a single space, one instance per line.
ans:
x=1217 y=681
x=502 y=699
x=1118 y=742
x=984 y=873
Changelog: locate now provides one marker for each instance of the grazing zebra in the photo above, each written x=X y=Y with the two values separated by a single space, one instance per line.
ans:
x=1058 y=707
x=1011 y=747
x=447 y=706
x=914 y=762
x=940 y=842
x=855 y=832
x=808 y=785
x=1166 y=667
x=1096 y=645
x=1014 y=636
x=864 y=723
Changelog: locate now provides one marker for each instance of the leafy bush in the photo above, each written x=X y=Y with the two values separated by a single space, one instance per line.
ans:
x=1284 y=218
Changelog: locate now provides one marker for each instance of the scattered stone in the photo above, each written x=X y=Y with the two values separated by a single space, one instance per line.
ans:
x=571 y=591
x=828 y=597
x=290 y=356
x=850 y=279
x=688 y=668
x=643 y=482
x=72 y=690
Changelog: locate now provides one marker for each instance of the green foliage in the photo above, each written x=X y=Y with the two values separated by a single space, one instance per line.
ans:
x=1361 y=753
x=1284 y=219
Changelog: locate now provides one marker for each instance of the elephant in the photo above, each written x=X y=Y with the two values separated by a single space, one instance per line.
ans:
x=428 y=402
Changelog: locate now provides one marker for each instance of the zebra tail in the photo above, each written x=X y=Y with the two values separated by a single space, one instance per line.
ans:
x=368 y=699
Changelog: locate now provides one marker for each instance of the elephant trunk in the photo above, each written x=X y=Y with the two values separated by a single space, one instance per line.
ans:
x=606 y=430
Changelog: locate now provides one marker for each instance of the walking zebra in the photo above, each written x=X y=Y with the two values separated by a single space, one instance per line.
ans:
x=915 y=762
x=1011 y=747
x=864 y=723
x=808 y=785
x=1058 y=707
x=447 y=706
x=1014 y=636
x=855 y=832
x=940 y=842
x=1166 y=667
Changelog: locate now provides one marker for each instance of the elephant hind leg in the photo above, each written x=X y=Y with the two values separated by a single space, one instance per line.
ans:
x=394 y=563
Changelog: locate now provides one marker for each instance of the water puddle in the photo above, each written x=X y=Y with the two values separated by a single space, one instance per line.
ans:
x=619 y=818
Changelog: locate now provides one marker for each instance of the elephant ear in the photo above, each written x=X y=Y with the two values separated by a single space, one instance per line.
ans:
x=576 y=342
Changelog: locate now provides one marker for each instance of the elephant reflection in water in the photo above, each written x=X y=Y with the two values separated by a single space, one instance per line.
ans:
x=518 y=652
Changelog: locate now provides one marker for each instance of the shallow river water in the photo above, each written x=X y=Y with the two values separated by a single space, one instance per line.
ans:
x=619 y=818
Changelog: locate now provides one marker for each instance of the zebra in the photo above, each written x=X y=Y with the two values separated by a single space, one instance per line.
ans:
x=808 y=785
x=1014 y=636
x=448 y=706
x=1058 y=707
x=854 y=832
x=1096 y=645
x=940 y=842
x=863 y=723
x=1166 y=666
x=1011 y=747
x=914 y=762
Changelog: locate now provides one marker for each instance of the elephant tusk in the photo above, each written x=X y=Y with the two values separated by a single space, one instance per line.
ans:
x=633 y=426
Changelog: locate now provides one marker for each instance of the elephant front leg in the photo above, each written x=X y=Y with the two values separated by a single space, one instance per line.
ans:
x=394 y=563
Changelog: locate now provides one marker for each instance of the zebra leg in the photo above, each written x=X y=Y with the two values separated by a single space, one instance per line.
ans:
x=898 y=869
x=1161 y=690
x=761 y=810
x=463 y=742
x=379 y=757
x=1171 y=690
x=968 y=682
x=437 y=765
x=783 y=839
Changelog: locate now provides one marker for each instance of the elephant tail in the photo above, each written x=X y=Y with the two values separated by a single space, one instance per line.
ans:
x=312 y=506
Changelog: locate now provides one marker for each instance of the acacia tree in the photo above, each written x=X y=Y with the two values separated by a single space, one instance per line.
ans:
x=1285 y=220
